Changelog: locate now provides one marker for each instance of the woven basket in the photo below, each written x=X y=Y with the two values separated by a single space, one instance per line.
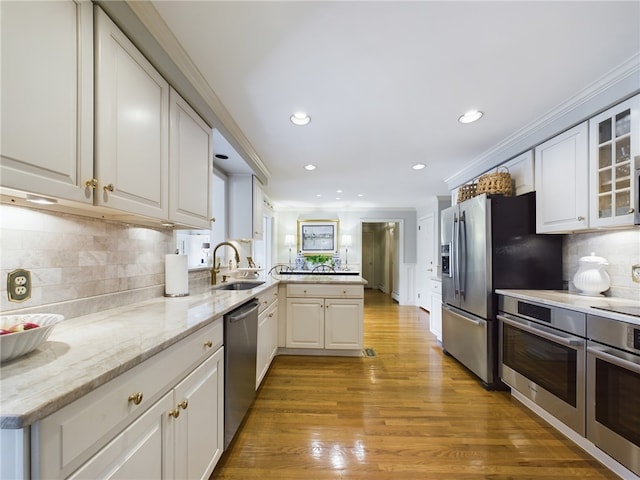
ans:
x=496 y=183
x=465 y=192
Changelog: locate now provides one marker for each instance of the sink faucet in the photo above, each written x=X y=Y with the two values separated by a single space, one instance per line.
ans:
x=215 y=270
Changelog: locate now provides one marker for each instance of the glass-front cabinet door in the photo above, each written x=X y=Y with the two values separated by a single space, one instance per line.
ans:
x=614 y=144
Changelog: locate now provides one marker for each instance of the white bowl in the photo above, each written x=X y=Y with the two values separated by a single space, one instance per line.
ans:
x=14 y=345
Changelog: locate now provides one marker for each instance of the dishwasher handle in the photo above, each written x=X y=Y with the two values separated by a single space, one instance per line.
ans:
x=242 y=312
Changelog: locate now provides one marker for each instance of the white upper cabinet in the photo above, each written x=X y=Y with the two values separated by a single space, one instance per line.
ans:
x=522 y=173
x=190 y=165
x=614 y=144
x=245 y=207
x=132 y=126
x=47 y=98
x=561 y=179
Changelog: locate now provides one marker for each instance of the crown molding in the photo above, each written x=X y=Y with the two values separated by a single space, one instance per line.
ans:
x=615 y=86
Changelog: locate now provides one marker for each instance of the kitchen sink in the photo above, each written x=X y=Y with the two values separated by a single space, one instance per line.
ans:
x=239 y=286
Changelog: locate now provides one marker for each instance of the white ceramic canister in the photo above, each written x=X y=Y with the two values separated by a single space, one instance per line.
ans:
x=592 y=277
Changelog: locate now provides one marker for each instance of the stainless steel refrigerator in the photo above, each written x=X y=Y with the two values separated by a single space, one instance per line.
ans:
x=489 y=242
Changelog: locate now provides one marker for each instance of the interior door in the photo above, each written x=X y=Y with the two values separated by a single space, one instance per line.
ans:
x=426 y=260
x=367 y=258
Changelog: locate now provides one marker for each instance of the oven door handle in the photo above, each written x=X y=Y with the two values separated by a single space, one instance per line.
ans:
x=620 y=362
x=566 y=341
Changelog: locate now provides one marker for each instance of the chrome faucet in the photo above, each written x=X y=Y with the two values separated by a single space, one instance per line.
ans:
x=215 y=270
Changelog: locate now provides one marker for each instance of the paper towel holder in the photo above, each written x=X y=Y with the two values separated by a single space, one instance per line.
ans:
x=185 y=278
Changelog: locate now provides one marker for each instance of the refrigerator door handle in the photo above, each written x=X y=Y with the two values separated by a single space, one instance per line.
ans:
x=456 y=256
x=462 y=231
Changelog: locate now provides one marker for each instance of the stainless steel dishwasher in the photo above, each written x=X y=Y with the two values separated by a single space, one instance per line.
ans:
x=240 y=345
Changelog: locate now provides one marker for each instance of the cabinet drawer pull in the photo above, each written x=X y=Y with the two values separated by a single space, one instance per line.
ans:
x=344 y=292
x=265 y=302
x=580 y=218
x=136 y=398
x=109 y=188
x=175 y=413
x=208 y=344
x=631 y=210
x=183 y=404
x=271 y=315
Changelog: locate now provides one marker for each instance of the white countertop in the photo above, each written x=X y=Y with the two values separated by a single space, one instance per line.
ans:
x=574 y=301
x=85 y=352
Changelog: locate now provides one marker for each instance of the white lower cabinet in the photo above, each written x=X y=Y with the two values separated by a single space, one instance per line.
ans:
x=435 y=314
x=199 y=436
x=326 y=317
x=141 y=451
x=162 y=419
x=267 y=341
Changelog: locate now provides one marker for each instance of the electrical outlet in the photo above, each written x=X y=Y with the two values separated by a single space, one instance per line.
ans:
x=635 y=273
x=19 y=285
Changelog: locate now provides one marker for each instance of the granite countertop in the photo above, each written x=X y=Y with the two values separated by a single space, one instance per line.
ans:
x=574 y=301
x=85 y=352
x=321 y=278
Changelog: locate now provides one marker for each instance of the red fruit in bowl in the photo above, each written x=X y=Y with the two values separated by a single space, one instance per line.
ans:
x=4 y=332
x=20 y=327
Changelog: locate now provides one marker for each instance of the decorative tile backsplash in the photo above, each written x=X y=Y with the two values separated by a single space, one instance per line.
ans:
x=73 y=257
x=621 y=248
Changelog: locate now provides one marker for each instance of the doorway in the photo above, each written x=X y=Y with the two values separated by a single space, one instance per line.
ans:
x=380 y=256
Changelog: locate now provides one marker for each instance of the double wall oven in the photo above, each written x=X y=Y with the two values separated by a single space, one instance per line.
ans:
x=583 y=369
x=542 y=355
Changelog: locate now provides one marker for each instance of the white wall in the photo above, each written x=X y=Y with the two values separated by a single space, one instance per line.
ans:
x=286 y=223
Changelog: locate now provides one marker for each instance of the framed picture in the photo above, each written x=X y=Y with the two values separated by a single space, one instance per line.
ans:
x=318 y=236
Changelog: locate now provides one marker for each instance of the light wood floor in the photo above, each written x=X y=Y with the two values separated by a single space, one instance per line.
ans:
x=408 y=413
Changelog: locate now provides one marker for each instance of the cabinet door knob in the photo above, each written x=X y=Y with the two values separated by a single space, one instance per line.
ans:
x=174 y=413
x=208 y=344
x=93 y=183
x=109 y=188
x=136 y=398
x=631 y=210
x=183 y=404
x=580 y=218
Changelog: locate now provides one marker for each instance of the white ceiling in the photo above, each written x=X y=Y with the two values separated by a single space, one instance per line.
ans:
x=385 y=82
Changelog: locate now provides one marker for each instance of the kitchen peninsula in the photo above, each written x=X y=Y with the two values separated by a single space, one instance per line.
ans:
x=121 y=370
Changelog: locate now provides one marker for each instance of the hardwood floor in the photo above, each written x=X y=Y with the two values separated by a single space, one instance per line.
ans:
x=407 y=413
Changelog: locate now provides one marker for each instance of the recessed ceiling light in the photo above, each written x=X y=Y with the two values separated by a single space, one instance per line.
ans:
x=338 y=191
x=310 y=167
x=418 y=166
x=361 y=195
x=318 y=195
x=300 y=118
x=470 y=116
x=337 y=198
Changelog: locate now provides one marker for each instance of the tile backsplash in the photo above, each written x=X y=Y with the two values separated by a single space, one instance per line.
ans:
x=73 y=257
x=621 y=248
